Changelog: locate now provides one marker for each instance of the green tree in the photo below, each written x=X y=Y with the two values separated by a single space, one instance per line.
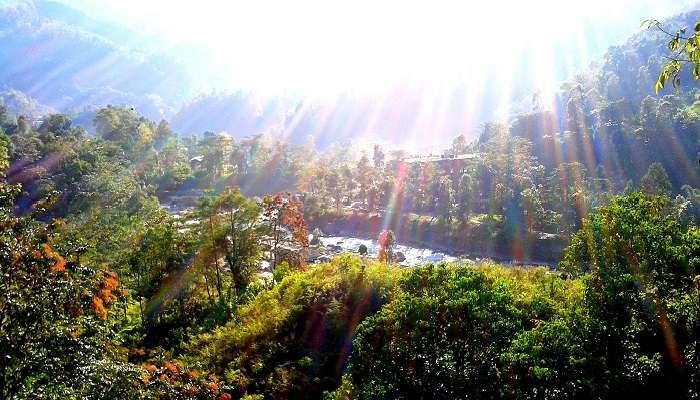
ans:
x=208 y=250
x=213 y=149
x=440 y=337
x=445 y=199
x=648 y=116
x=532 y=207
x=465 y=196
x=5 y=118
x=23 y=126
x=239 y=238
x=160 y=254
x=363 y=176
x=459 y=145
x=4 y=153
x=378 y=157
x=162 y=133
x=335 y=187
x=642 y=294
x=59 y=125
x=124 y=127
x=656 y=182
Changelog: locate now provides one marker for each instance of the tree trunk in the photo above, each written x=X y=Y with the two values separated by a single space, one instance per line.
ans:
x=216 y=258
x=206 y=283
x=2 y=380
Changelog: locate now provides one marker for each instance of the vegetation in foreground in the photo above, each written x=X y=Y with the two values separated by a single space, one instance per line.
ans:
x=623 y=320
x=626 y=324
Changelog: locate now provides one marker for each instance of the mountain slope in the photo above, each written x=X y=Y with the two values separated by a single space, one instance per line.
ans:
x=67 y=65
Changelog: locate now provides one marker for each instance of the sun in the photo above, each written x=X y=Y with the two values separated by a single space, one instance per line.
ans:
x=327 y=47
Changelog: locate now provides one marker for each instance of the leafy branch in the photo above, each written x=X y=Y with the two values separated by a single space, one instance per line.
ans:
x=684 y=49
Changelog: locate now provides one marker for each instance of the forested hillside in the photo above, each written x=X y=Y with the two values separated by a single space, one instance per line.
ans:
x=142 y=259
x=49 y=50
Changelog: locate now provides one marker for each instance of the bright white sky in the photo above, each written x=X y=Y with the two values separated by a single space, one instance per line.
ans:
x=326 y=46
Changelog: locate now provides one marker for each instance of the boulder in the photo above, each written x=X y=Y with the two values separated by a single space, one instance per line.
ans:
x=323 y=259
x=399 y=257
x=334 y=247
x=362 y=250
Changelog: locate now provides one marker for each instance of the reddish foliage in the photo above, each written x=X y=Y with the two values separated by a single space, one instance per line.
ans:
x=386 y=245
x=59 y=264
x=105 y=293
x=287 y=209
x=170 y=366
x=111 y=282
x=293 y=219
x=284 y=210
x=138 y=352
x=172 y=377
x=99 y=307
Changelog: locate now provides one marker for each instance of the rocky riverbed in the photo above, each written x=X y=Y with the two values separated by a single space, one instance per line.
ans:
x=406 y=255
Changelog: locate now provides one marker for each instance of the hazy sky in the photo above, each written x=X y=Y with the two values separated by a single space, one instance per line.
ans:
x=326 y=46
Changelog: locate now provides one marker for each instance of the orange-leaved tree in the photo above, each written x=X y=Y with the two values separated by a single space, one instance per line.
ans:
x=386 y=246
x=53 y=311
x=284 y=215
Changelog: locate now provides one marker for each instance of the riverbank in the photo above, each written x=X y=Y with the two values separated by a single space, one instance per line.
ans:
x=485 y=239
x=479 y=238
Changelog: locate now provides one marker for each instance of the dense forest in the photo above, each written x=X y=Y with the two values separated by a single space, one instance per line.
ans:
x=137 y=262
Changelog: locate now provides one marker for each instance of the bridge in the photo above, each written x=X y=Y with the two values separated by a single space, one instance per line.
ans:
x=442 y=158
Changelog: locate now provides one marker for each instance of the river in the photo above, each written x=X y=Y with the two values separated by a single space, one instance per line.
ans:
x=414 y=256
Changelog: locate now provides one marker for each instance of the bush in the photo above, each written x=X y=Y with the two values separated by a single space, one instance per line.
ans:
x=293 y=340
x=641 y=296
x=445 y=331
